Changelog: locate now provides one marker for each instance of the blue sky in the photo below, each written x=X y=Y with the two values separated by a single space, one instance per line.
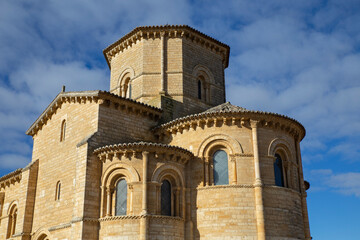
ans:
x=298 y=58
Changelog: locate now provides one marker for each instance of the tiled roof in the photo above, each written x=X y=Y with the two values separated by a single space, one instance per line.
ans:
x=140 y=144
x=226 y=107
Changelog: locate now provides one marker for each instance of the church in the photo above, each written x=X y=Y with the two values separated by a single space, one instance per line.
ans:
x=161 y=155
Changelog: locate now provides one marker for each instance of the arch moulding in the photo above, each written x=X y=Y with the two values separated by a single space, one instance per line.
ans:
x=11 y=205
x=120 y=169
x=230 y=143
x=200 y=68
x=164 y=170
x=41 y=234
x=282 y=145
x=127 y=70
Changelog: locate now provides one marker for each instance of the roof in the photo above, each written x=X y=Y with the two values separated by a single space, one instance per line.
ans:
x=226 y=110
x=140 y=145
x=226 y=107
x=62 y=96
x=138 y=33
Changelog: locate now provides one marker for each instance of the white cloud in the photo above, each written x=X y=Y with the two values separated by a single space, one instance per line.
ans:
x=347 y=183
x=13 y=161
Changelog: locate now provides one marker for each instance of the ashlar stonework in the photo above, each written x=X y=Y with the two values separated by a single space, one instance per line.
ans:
x=162 y=155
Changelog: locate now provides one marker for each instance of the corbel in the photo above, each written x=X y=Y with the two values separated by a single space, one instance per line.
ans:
x=194 y=125
x=233 y=121
x=207 y=122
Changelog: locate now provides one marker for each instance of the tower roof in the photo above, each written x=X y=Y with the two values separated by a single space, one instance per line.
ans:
x=169 y=30
x=226 y=107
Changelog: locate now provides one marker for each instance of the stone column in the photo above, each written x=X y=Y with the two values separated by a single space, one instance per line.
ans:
x=144 y=183
x=143 y=219
x=233 y=160
x=177 y=202
x=108 y=201
x=163 y=56
x=259 y=205
x=103 y=196
x=189 y=227
x=183 y=206
x=303 y=194
x=207 y=177
x=131 y=188
x=158 y=199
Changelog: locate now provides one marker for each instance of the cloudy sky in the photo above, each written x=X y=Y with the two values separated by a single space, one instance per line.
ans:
x=298 y=58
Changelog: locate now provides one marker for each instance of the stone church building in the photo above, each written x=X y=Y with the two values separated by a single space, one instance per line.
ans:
x=161 y=155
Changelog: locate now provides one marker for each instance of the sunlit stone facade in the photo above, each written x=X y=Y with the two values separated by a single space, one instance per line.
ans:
x=162 y=155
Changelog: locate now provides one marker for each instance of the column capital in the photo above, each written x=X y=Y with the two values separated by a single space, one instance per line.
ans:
x=254 y=123
x=145 y=153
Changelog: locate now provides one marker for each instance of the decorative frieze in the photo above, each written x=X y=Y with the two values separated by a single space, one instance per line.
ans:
x=168 y=31
x=159 y=151
x=232 y=118
x=10 y=178
x=99 y=97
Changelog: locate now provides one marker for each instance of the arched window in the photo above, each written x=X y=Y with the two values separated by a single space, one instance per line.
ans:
x=199 y=89
x=125 y=86
x=221 y=172
x=128 y=92
x=63 y=129
x=121 y=198
x=58 y=191
x=166 y=198
x=278 y=171
x=43 y=237
x=12 y=221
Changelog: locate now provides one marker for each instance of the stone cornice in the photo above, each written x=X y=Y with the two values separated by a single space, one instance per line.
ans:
x=136 y=217
x=164 y=151
x=100 y=97
x=239 y=118
x=11 y=178
x=181 y=31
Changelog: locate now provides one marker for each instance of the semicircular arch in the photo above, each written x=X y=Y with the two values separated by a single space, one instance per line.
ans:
x=125 y=71
x=201 y=70
x=41 y=234
x=231 y=144
x=281 y=145
x=168 y=170
x=13 y=204
x=119 y=169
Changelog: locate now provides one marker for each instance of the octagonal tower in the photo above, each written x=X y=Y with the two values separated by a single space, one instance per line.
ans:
x=175 y=68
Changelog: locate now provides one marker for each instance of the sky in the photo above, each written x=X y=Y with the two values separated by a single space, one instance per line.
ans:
x=297 y=58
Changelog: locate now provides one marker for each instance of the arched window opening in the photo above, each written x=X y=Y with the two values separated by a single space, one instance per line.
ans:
x=58 y=191
x=43 y=237
x=199 y=89
x=166 y=198
x=63 y=130
x=12 y=222
x=121 y=198
x=128 y=92
x=221 y=172
x=125 y=86
x=278 y=171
